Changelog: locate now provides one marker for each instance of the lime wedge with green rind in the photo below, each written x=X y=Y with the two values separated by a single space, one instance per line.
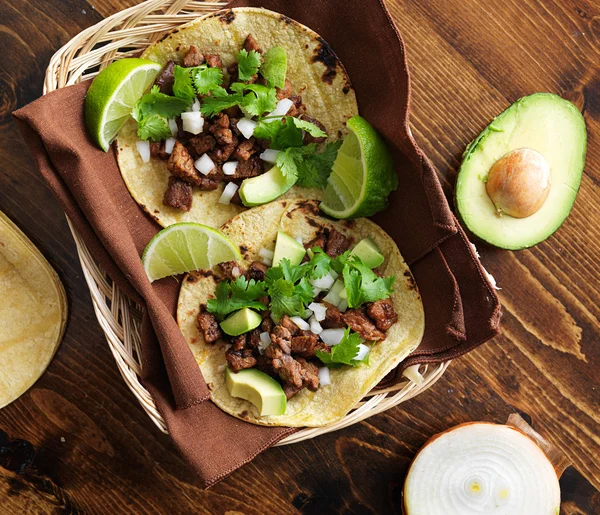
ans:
x=362 y=175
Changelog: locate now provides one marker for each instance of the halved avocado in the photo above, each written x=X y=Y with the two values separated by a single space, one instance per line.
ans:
x=544 y=122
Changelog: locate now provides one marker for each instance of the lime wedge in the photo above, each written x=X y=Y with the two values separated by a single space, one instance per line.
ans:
x=185 y=247
x=362 y=175
x=113 y=95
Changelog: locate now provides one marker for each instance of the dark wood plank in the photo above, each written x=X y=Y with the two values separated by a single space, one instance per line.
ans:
x=88 y=447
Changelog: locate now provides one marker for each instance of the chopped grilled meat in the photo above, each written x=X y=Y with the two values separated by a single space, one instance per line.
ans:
x=178 y=194
x=214 y=60
x=236 y=199
x=319 y=241
x=245 y=149
x=288 y=369
x=358 y=321
x=222 y=154
x=246 y=169
x=233 y=112
x=201 y=144
x=220 y=121
x=240 y=359
x=192 y=58
x=264 y=144
x=288 y=323
x=307 y=345
x=281 y=339
x=238 y=342
x=290 y=390
x=310 y=375
x=208 y=326
x=257 y=271
x=298 y=107
x=267 y=323
x=157 y=149
x=223 y=136
x=264 y=365
x=181 y=164
x=253 y=339
x=231 y=270
x=337 y=243
x=334 y=318
x=251 y=44
x=166 y=78
x=286 y=92
x=312 y=139
x=382 y=313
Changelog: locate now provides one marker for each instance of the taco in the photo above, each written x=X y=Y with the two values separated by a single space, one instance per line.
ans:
x=191 y=169
x=326 y=319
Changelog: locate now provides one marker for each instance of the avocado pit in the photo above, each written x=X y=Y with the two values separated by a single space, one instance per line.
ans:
x=519 y=182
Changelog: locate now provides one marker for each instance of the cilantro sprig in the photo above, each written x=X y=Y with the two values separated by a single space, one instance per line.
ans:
x=344 y=353
x=248 y=64
x=152 y=112
x=363 y=285
x=288 y=289
x=234 y=295
x=275 y=67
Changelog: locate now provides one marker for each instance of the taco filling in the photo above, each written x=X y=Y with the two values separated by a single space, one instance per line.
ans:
x=324 y=312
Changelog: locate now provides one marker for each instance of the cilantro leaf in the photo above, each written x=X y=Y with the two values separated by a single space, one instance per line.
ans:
x=288 y=289
x=283 y=300
x=339 y=262
x=151 y=112
x=344 y=353
x=268 y=130
x=183 y=86
x=259 y=100
x=287 y=162
x=320 y=263
x=315 y=169
x=274 y=67
x=234 y=295
x=292 y=273
x=248 y=64
x=363 y=285
x=153 y=127
x=206 y=79
x=311 y=128
x=218 y=102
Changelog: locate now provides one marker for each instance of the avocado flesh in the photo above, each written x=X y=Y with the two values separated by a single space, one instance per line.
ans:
x=543 y=122
x=287 y=247
x=368 y=252
x=265 y=187
x=241 y=322
x=258 y=388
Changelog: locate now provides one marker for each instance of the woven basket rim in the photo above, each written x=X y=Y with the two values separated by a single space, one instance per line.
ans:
x=119 y=317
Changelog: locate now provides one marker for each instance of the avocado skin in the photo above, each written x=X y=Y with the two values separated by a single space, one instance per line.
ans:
x=480 y=141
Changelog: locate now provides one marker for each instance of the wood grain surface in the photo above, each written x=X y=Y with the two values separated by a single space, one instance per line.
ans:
x=78 y=442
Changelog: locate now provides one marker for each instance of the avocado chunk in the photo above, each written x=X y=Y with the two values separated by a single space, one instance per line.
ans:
x=258 y=388
x=368 y=252
x=241 y=322
x=266 y=187
x=288 y=247
x=547 y=125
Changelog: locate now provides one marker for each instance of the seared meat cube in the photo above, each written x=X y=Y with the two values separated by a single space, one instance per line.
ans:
x=192 y=58
x=181 y=164
x=290 y=390
x=334 y=318
x=222 y=154
x=288 y=323
x=358 y=321
x=253 y=339
x=286 y=92
x=246 y=169
x=220 y=121
x=382 y=313
x=337 y=243
x=231 y=270
x=281 y=339
x=201 y=144
x=288 y=369
x=307 y=345
x=257 y=271
x=208 y=326
x=251 y=44
x=312 y=139
x=245 y=149
x=238 y=342
x=157 y=149
x=233 y=112
x=178 y=194
x=309 y=374
x=223 y=136
x=214 y=60
x=298 y=107
x=240 y=359
x=263 y=144
x=267 y=323
x=236 y=199
x=211 y=181
x=166 y=78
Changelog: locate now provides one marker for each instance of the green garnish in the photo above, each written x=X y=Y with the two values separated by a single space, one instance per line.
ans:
x=344 y=353
x=248 y=64
x=274 y=67
x=260 y=99
x=311 y=169
x=206 y=79
x=363 y=285
x=288 y=289
x=234 y=295
x=152 y=111
x=219 y=101
x=288 y=133
x=183 y=86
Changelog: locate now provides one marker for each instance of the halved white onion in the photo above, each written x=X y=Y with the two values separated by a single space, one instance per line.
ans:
x=229 y=167
x=302 y=324
x=320 y=310
x=281 y=109
x=204 y=164
x=412 y=373
x=324 y=377
x=169 y=145
x=228 y=193
x=192 y=122
x=315 y=327
x=143 y=147
x=332 y=336
x=173 y=126
x=479 y=469
x=324 y=282
x=246 y=126
x=269 y=156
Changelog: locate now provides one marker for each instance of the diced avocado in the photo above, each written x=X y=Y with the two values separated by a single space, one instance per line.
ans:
x=288 y=247
x=258 y=388
x=266 y=187
x=547 y=124
x=369 y=253
x=241 y=322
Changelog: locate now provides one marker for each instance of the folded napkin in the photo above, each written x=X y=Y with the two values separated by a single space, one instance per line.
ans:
x=461 y=309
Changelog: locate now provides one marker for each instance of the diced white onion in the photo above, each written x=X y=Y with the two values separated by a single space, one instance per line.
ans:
x=204 y=164
x=302 y=324
x=299 y=240
x=324 y=282
x=343 y=305
x=332 y=298
x=143 y=147
x=228 y=193
x=169 y=144
x=266 y=261
x=236 y=272
x=192 y=122
x=414 y=375
x=319 y=310
x=324 y=378
x=315 y=327
x=196 y=106
x=229 y=167
x=265 y=340
x=173 y=126
x=363 y=350
x=281 y=109
x=266 y=253
x=332 y=336
x=246 y=126
x=269 y=155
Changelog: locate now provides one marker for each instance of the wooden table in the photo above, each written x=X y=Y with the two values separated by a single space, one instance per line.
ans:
x=95 y=449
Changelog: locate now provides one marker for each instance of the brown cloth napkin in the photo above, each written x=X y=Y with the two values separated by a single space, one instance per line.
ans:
x=461 y=309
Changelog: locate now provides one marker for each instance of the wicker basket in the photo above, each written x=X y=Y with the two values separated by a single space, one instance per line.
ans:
x=123 y=35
